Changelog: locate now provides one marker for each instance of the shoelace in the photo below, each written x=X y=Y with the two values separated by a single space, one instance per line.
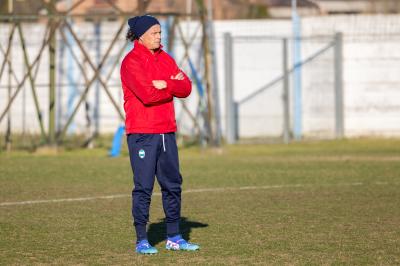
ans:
x=183 y=241
x=146 y=245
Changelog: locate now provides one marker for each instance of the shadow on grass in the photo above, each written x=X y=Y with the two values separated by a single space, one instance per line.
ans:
x=157 y=231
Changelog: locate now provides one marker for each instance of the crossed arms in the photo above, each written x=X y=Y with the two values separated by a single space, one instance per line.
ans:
x=154 y=92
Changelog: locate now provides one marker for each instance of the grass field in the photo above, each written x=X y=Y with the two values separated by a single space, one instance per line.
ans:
x=335 y=202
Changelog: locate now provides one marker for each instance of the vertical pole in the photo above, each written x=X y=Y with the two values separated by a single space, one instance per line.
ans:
x=207 y=75
x=71 y=77
x=165 y=27
x=8 y=133
x=229 y=99
x=61 y=72
x=173 y=21
x=52 y=77
x=24 y=109
x=339 y=105
x=97 y=88
x=297 y=94
x=214 y=74
x=285 y=98
x=236 y=119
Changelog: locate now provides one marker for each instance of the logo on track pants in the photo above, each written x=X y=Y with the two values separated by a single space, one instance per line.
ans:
x=141 y=153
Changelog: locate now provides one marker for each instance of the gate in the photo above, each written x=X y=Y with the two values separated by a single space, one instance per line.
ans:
x=263 y=99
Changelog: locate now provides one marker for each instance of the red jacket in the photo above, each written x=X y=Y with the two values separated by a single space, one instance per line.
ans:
x=150 y=110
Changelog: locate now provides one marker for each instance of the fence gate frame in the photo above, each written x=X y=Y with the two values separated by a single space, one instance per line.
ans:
x=232 y=107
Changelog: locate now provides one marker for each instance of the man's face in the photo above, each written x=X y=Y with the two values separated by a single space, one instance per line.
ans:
x=152 y=37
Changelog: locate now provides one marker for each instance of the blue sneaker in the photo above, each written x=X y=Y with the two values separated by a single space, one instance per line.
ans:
x=178 y=243
x=143 y=247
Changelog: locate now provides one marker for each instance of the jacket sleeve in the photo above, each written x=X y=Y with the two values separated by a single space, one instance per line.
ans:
x=133 y=76
x=179 y=88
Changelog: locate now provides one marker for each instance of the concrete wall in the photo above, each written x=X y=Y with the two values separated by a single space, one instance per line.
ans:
x=371 y=71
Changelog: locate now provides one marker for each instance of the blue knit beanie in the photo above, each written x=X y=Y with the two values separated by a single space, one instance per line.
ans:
x=140 y=24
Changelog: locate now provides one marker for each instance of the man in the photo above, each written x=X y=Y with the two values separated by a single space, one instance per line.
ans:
x=150 y=80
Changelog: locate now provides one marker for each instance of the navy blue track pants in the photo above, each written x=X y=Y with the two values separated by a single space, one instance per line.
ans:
x=155 y=155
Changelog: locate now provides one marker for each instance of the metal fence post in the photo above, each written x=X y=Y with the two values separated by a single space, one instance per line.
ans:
x=236 y=107
x=285 y=96
x=339 y=106
x=297 y=78
x=8 y=130
x=229 y=102
x=52 y=76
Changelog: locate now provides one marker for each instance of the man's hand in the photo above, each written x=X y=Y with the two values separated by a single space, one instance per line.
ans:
x=162 y=84
x=159 y=84
x=178 y=76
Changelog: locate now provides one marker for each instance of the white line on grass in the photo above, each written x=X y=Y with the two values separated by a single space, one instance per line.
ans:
x=201 y=190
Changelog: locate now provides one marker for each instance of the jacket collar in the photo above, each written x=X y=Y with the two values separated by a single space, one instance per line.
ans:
x=144 y=50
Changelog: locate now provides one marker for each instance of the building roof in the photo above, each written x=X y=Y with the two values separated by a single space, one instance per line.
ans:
x=286 y=3
x=22 y=7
